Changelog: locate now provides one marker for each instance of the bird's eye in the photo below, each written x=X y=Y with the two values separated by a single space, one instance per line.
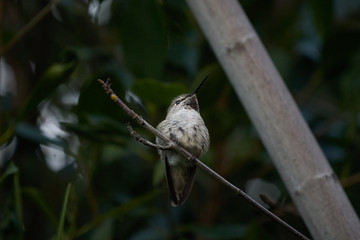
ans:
x=177 y=102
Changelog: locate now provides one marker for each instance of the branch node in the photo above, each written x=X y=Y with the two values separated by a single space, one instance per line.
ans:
x=138 y=118
x=107 y=86
x=192 y=158
x=239 y=44
x=144 y=141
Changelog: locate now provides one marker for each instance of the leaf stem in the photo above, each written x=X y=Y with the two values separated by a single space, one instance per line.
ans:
x=30 y=25
x=63 y=212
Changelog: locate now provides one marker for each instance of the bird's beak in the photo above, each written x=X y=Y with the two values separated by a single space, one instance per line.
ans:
x=198 y=87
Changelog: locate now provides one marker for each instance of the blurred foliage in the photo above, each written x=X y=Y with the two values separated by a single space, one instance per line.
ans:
x=57 y=126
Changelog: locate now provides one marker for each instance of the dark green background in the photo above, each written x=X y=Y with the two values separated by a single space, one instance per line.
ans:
x=152 y=51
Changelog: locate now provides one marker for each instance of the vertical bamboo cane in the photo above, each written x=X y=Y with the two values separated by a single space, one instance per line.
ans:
x=297 y=156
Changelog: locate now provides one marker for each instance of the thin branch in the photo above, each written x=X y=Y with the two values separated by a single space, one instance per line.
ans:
x=144 y=141
x=30 y=25
x=107 y=87
x=350 y=180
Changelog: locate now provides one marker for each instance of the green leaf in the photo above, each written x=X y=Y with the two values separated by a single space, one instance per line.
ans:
x=156 y=92
x=144 y=38
x=322 y=11
x=40 y=200
x=104 y=231
x=159 y=173
x=33 y=134
x=349 y=84
x=11 y=169
x=117 y=211
x=63 y=213
x=9 y=133
x=99 y=128
x=18 y=204
x=54 y=76
x=185 y=53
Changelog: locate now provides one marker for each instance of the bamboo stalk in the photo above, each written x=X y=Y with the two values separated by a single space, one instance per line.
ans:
x=311 y=182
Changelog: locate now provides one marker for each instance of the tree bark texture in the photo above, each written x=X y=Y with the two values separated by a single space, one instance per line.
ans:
x=313 y=186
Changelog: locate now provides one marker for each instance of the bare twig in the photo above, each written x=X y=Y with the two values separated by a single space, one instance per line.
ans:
x=30 y=25
x=107 y=87
x=138 y=138
x=350 y=180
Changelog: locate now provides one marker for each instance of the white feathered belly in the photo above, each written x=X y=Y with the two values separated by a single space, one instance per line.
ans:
x=188 y=129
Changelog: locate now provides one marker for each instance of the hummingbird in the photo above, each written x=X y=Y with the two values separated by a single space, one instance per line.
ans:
x=183 y=125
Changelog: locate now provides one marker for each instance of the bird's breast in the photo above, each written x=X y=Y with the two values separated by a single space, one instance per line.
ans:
x=188 y=129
